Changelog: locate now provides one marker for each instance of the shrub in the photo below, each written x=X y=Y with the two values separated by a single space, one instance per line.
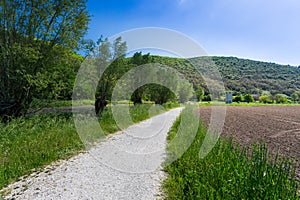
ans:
x=265 y=99
x=281 y=98
x=237 y=99
x=248 y=98
x=207 y=98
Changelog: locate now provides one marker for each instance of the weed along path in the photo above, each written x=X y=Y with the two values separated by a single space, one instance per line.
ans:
x=127 y=165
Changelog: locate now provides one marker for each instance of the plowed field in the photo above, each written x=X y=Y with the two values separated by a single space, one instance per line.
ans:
x=279 y=126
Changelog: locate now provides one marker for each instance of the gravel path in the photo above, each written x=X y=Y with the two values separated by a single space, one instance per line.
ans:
x=125 y=166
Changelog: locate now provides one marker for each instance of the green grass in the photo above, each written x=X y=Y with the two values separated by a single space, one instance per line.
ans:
x=34 y=142
x=28 y=143
x=217 y=103
x=227 y=172
x=44 y=103
x=137 y=113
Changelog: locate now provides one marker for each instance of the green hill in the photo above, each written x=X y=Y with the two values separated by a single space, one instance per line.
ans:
x=240 y=75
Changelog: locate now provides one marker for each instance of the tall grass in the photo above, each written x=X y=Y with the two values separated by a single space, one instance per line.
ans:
x=30 y=143
x=27 y=143
x=228 y=172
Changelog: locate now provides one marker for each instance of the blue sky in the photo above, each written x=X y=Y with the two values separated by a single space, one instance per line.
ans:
x=267 y=30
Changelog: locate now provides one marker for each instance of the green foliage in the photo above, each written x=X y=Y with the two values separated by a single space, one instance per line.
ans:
x=241 y=75
x=32 y=35
x=137 y=60
x=265 y=99
x=248 y=98
x=199 y=92
x=248 y=76
x=281 y=98
x=295 y=96
x=48 y=103
x=207 y=97
x=266 y=93
x=184 y=92
x=160 y=94
x=228 y=172
x=237 y=99
x=165 y=84
x=109 y=59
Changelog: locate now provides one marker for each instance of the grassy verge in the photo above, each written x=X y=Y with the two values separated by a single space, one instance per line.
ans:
x=138 y=113
x=39 y=103
x=27 y=143
x=228 y=172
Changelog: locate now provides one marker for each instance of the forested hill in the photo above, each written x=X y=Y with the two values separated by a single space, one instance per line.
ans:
x=242 y=75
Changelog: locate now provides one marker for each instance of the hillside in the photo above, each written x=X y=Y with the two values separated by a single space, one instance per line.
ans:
x=241 y=75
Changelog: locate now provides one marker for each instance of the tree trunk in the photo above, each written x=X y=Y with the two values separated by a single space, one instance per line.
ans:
x=100 y=104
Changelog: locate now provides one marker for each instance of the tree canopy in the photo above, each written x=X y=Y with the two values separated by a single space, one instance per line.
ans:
x=33 y=34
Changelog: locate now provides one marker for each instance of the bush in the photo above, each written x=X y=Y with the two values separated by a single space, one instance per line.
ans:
x=281 y=98
x=207 y=98
x=237 y=99
x=248 y=98
x=265 y=99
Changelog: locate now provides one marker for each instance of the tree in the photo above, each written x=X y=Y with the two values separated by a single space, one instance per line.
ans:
x=199 y=92
x=207 y=97
x=248 y=98
x=184 y=91
x=160 y=94
x=30 y=34
x=295 y=96
x=281 y=98
x=165 y=85
x=139 y=59
x=109 y=57
x=266 y=93
x=237 y=99
x=265 y=99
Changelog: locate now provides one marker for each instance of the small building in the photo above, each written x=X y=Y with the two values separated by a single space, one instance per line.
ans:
x=228 y=98
x=255 y=96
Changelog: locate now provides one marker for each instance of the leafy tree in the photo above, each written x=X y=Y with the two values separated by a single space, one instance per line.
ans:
x=57 y=81
x=265 y=99
x=108 y=57
x=185 y=91
x=241 y=75
x=248 y=98
x=199 y=92
x=266 y=93
x=281 y=98
x=295 y=96
x=207 y=97
x=160 y=94
x=164 y=92
x=139 y=59
x=31 y=32
x=237 y=99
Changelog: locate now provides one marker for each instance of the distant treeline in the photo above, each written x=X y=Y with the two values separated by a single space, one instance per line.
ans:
x=241 y=75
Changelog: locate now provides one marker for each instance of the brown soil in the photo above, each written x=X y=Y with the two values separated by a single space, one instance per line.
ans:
x=278 y=126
